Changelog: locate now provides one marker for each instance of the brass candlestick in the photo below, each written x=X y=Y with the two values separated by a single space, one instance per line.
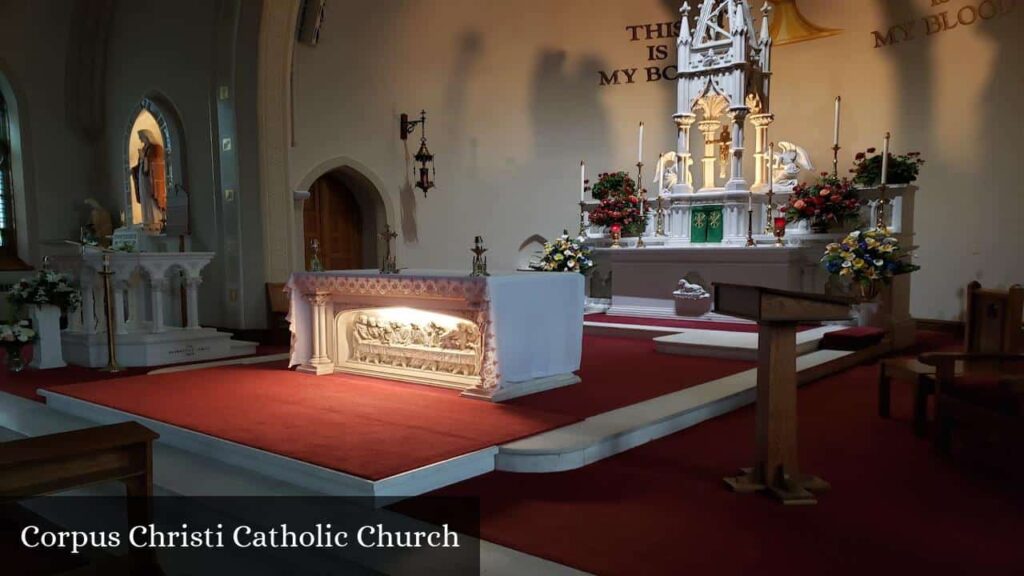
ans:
x=880 y=208
x=835 y=160
x=750 y=228
x=388 y=264
x=108 y=311
x=659 y=218
x=769 y=227
x=583 y=218
x=479 y=260
x=642 y=192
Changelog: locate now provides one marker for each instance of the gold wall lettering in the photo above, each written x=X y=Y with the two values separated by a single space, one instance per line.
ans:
x=950 y=18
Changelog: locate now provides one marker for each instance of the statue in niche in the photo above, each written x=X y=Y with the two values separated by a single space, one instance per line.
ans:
x=149 y=175
x=724 y=145
x=788 y=164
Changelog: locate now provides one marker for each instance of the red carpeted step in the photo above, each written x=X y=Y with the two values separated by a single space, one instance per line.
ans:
x=361 y=426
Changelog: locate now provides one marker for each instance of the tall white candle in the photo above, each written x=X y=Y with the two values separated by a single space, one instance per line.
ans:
x=835 y=136
x=583 y=181
x=640 y=154
x=885 y=157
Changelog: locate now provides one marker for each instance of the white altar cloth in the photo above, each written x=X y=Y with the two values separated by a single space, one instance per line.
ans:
x=534 y=335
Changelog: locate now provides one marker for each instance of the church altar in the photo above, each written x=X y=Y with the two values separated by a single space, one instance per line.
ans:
x=494 y=337
x=153 y=323
x=697 y=225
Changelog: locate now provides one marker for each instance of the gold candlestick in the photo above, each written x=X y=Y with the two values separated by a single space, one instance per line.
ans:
x=880 y=208
x=659 y=218
x=835 y=160
x=642 y=193
x=108 y=311
x=750 y=228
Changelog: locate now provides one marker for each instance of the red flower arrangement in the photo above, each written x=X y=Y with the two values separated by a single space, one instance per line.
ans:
x=620 y=206
x=828 y=202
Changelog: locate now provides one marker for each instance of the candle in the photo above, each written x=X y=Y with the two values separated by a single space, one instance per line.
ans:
x=835 y=134
x=885 y=158
x=640 y=155
x=583 y=181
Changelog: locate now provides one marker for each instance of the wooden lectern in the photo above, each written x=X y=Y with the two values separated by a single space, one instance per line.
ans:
x=777 y=313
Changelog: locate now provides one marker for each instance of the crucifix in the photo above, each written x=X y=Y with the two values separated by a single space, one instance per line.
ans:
x=388 y=265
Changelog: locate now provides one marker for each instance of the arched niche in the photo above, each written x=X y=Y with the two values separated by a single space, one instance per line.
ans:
x=159 y=118
x=366 y=189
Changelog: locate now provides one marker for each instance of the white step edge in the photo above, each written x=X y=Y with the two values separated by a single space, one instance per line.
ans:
x=732 y=345
x=226 y=362
x=616 y=431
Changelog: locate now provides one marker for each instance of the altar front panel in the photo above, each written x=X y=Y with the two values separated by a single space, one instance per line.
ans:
x=496 y=337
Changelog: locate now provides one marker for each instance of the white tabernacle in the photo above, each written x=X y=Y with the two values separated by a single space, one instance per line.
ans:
x=495 y=337
x=155 y=296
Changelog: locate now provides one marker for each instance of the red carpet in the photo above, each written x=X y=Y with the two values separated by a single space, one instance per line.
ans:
x=617 y=372
x=362 y=426
x=896 y=506
x=674 y=323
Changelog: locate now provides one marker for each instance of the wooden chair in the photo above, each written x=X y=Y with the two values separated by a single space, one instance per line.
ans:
x=978 y=390
x=992 y=324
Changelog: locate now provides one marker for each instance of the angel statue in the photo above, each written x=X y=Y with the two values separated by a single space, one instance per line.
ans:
x=788 y=164
x=666 y=172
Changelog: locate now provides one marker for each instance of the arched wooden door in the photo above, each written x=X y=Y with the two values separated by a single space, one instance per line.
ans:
x=332 y=216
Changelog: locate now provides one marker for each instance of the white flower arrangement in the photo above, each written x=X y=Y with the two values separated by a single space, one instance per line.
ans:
x=46 y=287
x=565 y=254
x=16 y=334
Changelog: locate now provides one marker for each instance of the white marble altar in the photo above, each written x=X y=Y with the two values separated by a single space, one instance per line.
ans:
x=154 y=325
x=494 y=337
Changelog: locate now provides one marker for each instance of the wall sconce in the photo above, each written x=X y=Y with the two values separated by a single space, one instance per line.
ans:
x=423 y=156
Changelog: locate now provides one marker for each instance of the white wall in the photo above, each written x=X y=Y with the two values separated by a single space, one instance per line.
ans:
x=511 y=90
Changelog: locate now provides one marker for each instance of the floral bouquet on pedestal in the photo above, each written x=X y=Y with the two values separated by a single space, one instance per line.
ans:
x=829 y=202
x=620 y=203
x=565 y=254
x=14 y=337
x=903 y=169
x=46 y=287
x=865 y=258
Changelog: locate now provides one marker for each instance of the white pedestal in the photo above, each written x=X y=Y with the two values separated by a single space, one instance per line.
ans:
x=47 y=353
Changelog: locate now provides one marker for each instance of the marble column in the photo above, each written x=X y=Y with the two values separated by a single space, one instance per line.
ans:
x=320 y=361
x=710 y=129
x=761 y=123
x=119 y=288
x=736 y=180
x=192 y=301
x=157 y=287
x=683 y=124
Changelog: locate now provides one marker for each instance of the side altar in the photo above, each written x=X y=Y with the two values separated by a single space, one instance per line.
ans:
x=493 y=337
x=155 y=300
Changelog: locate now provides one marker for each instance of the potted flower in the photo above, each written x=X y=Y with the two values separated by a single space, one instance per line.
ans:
x=14 y=337
x=47 y=294
x=829 y=202
x=565 y=254
x=903 y=168
x=612 y=184
x=867 y=258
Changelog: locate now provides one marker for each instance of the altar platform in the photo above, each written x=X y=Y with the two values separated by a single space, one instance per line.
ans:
x=344 y=434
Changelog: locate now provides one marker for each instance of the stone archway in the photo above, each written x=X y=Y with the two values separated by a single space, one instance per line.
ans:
x=357 y=193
